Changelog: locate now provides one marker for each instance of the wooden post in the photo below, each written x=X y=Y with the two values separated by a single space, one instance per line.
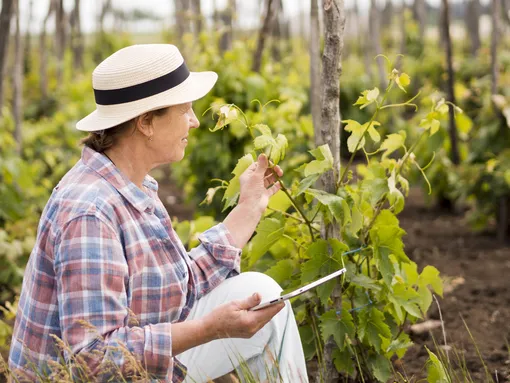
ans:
x=503 y=203
x=18 y=82
x=263 y=34
x=5 y=28
x=77 y=37
x=315 y=69
x=473 y=25
x=375 y=38
x=454 y=153
x=43 y=61
x=60 y=38
x=334 y=25
x=420 y=15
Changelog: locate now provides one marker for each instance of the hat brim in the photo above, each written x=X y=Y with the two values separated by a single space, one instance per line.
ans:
x=196 y=86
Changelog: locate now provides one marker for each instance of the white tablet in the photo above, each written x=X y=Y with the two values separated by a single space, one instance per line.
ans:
x=299 y=291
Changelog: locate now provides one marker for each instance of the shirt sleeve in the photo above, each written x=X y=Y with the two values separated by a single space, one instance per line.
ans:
x=92 y=275
x=215 y=260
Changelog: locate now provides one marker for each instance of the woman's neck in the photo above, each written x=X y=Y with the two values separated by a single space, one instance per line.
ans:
x=130 y=162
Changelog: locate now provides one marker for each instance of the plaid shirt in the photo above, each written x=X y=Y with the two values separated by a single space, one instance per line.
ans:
x=106 y=254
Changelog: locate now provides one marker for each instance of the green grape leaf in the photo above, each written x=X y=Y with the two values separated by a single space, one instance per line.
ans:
x=339 y=327
x=431 y=124
x=262 y=141
x=430 y=276
x=407 y=298
x=386 y=236
x=209 y=195
x=393 y=142
x=436 y=372
x=325 y=258
x=357 y=221
x=395 y=196
x=226 y=115
x=322 y=163
x=356 y=130
x=425 y=298
x=410 y=271
x=372 y=327
x=277 y=146
x=399 y=345
x=367 y=97
x=365 y=281
x=305 y=183
x=263 y=129
x=233 y=189
x=337 y=206
x=343 y=361
x=380 y=366
x=358 y=134
x=279 y=149
x=307 y=336
x=279 y=201
x=441 y=107
x=282 y=271
x=374 y=134
x=269 y=231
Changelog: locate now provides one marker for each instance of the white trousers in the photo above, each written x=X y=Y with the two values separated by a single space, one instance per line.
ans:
x=277 y=341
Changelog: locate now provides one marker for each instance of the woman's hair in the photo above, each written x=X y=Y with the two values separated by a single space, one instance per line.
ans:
x=104 y=139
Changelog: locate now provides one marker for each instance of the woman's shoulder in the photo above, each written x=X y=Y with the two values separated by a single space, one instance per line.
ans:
x=82 y=191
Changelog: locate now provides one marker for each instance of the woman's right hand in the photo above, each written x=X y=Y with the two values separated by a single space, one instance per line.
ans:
x=233 y=320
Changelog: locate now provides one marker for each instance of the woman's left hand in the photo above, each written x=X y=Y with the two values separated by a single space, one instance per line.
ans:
x=259 y=183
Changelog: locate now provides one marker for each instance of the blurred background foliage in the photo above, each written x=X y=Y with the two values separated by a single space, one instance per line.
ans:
x=39 y=144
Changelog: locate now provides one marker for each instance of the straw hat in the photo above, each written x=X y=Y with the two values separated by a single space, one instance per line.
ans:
x=141 y=78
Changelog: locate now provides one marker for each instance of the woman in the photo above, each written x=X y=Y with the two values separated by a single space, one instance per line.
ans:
x=108 y=273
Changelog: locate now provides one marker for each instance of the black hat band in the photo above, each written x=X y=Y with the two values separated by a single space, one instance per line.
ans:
x=143 y=90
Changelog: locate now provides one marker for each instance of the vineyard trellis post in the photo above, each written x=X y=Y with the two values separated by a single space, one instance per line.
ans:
x=329 y=132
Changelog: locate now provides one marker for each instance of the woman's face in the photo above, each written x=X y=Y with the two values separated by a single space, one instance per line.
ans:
x=171 y=133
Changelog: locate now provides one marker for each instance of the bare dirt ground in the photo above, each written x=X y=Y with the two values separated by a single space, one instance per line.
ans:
x=476 y=269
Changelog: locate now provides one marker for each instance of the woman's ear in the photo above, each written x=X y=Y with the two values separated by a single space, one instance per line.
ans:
x=144 y=124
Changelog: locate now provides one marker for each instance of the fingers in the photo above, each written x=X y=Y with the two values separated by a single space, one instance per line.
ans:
x=266 y=314
x=262 y=163
x=278 y=171
x=251 y=301
x=273 y=189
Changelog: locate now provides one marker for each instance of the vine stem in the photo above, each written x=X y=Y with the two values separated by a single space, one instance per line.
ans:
x=366 y=129
x=292 y=216
x=286 y=191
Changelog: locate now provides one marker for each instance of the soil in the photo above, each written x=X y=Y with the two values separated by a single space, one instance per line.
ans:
x=476 y=270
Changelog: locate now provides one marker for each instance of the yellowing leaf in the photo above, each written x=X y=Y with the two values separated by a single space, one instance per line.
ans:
x=367 y=97
x=393 y=142
x=322 y=163
x=403 y=80
x=232 y=193
x=441 y=106
x=373 y=94
x=356 y=140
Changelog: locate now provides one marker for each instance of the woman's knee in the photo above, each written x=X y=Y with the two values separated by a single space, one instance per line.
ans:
x=260 y=283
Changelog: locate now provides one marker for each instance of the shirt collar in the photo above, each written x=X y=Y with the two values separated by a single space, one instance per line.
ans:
x=106 y=169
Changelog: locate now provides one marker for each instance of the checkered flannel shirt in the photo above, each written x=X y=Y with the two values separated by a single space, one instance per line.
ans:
x=106 y=255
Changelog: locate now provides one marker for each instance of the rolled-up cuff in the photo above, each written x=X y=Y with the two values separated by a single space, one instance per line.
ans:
x=219 y=243
x=158 y=354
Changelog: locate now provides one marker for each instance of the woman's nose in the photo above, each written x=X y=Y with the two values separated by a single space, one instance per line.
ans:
x=194 y=120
